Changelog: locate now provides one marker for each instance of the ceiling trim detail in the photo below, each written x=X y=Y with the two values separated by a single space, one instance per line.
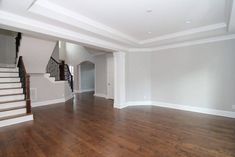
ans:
x=58 y=13
x=184 y=44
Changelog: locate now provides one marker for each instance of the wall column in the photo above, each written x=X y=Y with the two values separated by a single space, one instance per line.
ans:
x=119 y=80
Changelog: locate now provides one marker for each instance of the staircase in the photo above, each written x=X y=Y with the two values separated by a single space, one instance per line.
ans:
x=13 y=102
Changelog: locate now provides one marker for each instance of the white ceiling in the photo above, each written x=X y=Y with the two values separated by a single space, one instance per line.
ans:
x=167 y=16
x=120 y=24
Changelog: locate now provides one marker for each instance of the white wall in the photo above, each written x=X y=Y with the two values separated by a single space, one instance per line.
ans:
x=56 y=52
x=87 y=75
x=74 y=55
x=100 y=75
x=42 y=89
x=7 y=49
x=199 y=76
x=202 y=76
x=138 y=81
x=36 y=53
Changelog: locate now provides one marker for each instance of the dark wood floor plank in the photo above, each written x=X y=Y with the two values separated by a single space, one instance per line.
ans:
x=90 y=127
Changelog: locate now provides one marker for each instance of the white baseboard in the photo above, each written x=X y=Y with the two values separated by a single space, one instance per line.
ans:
x=216 y=112
x=100 y=95
x=49 y=102
x=83 y=91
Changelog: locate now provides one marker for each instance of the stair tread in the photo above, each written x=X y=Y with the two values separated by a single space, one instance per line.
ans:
x=9 y=82
x=15 y=116
x=11 y=101
x=11 y=88
x=12 y=94
x=12 y=108
x=9 y=77
x=9 y=72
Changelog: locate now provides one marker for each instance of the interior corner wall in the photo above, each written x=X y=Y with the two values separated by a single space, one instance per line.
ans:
x=199 y=76
x=101 y=75
x=195 y=76
x=36 y=53
x=75 y=54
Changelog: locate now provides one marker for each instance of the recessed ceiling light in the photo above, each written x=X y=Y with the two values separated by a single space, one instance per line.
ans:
x=188 y=22
x=149 y=32
x=149 y=10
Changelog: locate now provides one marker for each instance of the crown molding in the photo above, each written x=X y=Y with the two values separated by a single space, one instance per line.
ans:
x=31 y=26
x=184 y=44
x=58 y=13
x=186 y=33
x=53 y=11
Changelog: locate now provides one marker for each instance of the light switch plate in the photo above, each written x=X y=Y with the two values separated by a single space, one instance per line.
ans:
x=233 y=107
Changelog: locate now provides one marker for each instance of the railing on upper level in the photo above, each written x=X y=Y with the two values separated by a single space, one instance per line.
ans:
x=53 y=68
x=25 y=80
x=60 y=71
x=68 y=76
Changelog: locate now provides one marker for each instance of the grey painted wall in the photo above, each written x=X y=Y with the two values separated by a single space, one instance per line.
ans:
x=87 y=70
x=101 y=75
x=201 y=76
x=7 y=49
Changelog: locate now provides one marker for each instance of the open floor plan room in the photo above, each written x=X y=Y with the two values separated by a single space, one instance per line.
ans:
x=117 y=78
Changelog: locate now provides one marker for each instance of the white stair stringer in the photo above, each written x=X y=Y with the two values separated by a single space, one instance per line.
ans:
x=11 y=91
x=16 y=120
x=11 y=98
x=14 y=112
x=15 y=104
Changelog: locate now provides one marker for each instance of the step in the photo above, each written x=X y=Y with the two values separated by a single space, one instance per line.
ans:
x=14 y=112
x=10 y=85
x=9 y=69
x=15 y=119
x=5 y=80
x=5 y=74
x=13 y=104
x=11 y=97
x=11 y=91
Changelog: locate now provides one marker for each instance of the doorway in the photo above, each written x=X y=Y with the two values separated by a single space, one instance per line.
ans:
x=86 y=76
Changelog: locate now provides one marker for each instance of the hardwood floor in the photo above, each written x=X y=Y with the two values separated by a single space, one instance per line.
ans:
x=90 y=127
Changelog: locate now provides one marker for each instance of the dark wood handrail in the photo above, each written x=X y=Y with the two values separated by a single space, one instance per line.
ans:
x=25 y=80
x=17 y=42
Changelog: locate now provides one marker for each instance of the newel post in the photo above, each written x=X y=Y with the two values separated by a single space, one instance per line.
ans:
x=28 y=101
x=61 y=67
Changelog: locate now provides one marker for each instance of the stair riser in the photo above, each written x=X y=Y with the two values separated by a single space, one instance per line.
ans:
x=12 y=112
x=9 y=79
x=10 y=85
x=9 y=74
x=17 y=120
x=8 y=69
x=6 y=106
x=11 y=91
x=11 y=98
